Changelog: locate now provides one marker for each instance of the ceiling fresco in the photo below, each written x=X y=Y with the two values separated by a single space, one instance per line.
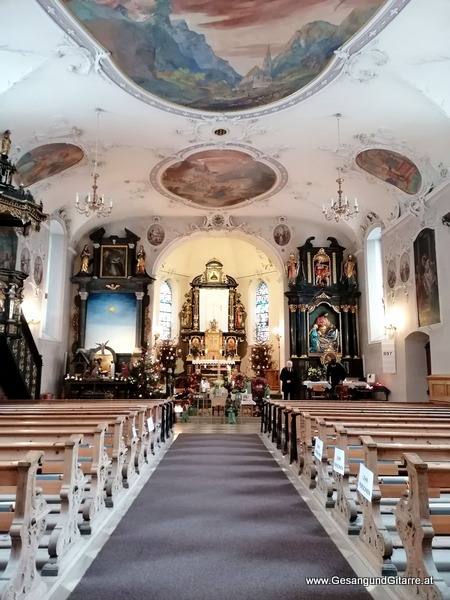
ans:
x=392 y=168
x=47 y=160
x=218 y=178
x=222 y=56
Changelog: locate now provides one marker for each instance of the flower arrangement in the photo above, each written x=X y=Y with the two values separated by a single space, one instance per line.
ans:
x=258 y=387
x=232 y=408
x=240 y=382
x=316 y=374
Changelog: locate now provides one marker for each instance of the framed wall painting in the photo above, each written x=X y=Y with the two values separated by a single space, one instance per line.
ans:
x=405 y=267
x=324 y=330
x=38 y=270
x=113 y=261
x=391 y=274
x=156 y=234
x=25 y=260
x=427 y=285
x=282 y=234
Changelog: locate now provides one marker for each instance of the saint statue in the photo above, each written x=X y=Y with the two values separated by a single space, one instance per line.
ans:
x=140 y=256
x=239 y=311
x=85 y=257
x=350 y=269
x=292 y=268
x=5 y=144
x=186 y=312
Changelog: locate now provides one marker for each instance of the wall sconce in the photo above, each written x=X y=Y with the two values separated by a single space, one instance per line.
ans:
x=391 y=330
x=446 y=219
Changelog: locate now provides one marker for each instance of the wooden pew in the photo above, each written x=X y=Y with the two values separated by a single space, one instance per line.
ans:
x=24 y=527
x=96 y=462
x=346 y=508
x=374 y=533
x=418 y=527
x=67 y=483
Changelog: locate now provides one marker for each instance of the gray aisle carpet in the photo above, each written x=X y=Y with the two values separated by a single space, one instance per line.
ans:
x=217 y=520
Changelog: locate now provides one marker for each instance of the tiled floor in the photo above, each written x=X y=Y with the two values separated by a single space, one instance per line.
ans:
x=77 y=563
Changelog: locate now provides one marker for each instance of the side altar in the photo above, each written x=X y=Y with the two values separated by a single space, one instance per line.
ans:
x=213 y=320
x=323 y=299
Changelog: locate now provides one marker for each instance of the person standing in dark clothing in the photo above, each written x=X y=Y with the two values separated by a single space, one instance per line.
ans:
x=336 y=373
x=288 y=378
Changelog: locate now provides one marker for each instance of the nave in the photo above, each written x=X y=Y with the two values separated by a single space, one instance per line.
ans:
x=67 y=582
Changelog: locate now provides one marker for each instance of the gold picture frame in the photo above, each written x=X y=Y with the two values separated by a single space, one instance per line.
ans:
x=114 y=261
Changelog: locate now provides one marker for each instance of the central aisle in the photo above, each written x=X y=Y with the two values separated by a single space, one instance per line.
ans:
x=217 y=520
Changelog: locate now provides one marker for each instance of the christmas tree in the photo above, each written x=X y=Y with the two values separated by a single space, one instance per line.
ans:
x=145 y=374
x=261 y=358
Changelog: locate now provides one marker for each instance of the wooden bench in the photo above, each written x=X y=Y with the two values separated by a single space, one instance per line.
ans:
x=374 y=532
x=94 y=460
x=22 y=528
x=63 y=484
x=346 y=508
x=419 y=523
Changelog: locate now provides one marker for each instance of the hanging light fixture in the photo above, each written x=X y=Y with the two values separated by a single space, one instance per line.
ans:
x=93 y=203
x=340 y=208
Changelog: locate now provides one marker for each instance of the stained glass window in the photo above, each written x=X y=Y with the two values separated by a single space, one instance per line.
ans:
x=262 y=312
x=165 y=311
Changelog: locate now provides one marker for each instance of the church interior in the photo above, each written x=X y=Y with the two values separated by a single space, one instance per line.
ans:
x=182 y=214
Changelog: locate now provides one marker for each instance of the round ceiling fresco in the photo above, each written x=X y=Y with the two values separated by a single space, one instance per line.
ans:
x=218 y=178
x=223 y=56
x=47 y=160
x=392 y=168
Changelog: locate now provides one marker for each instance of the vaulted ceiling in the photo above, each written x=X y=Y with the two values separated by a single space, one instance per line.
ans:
x=228 y=108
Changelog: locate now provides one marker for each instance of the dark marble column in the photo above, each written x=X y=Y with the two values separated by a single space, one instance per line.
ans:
x=345 y=331
x=82 y=320
x=354 y=323
x=304 y=342
x=293 y=330
x=139 y=319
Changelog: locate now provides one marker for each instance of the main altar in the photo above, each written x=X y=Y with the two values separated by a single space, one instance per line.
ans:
x=213 y=321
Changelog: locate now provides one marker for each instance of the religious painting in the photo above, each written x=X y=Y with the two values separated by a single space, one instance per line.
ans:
x=8 y=248
x=391 y=274
x=44 y=161
x=156 y=234
x=322 y=269
x=282 y=234
x=25 y=260
x=427 y=287
x=111 y=317
x=405 y=267
x=219 y=56
x=113 y=261
x=38 y=270
x=218 y=178
x=324 y=330
x=392 y=168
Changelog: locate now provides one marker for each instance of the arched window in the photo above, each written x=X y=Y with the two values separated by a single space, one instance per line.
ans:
x=165 y=311
x=54 y=289
x=375 y=288
x=262 y=313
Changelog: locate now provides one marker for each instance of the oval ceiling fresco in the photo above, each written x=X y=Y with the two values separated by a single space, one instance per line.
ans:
x=47 y=160
x=222 y=56
x=392 y=168
x=218 y=178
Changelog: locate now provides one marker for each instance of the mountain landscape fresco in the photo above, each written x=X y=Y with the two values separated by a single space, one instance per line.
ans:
x=222 y=56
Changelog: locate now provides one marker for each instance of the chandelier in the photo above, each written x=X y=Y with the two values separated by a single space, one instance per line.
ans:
x=340 y=208
x=93 y=203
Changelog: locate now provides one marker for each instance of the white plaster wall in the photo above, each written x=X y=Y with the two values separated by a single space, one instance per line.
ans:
x=401 y=308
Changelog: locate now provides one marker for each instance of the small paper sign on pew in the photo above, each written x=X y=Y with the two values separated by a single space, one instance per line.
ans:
x=150 y=424
x=339 y=461
x=318 y=448
x=365 y=482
